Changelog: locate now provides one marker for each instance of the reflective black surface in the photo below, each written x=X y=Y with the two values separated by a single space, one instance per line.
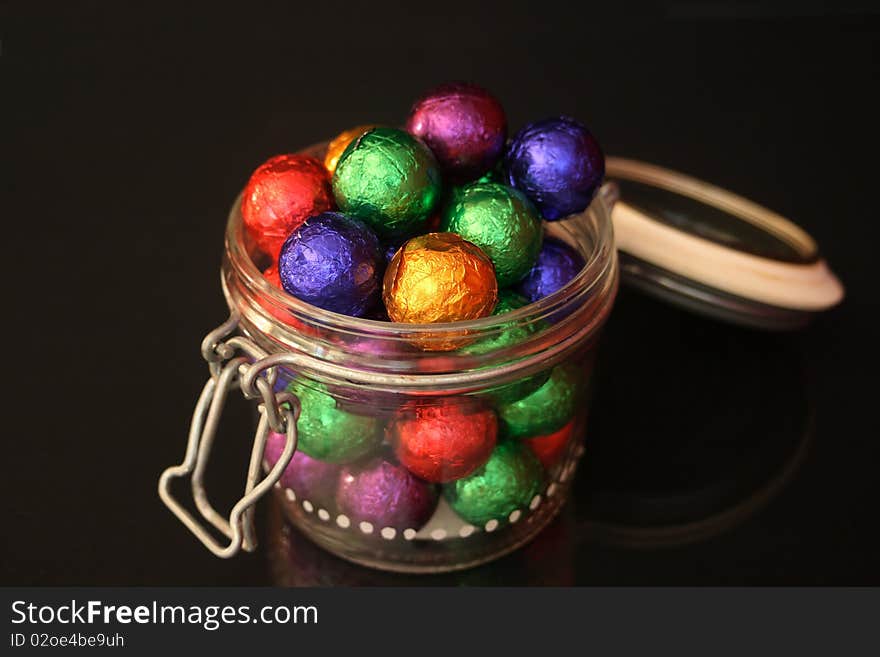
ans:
x=690 y=417
x=718 y=455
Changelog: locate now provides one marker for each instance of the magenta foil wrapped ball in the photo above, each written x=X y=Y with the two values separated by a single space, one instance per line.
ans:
x=310 y=479
x=385 y=494
x=558 y=164
x=463 y=125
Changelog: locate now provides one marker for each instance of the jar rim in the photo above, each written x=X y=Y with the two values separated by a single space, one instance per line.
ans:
x=591 y=275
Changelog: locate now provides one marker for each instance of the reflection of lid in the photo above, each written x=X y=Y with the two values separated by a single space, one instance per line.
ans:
x=714 y=252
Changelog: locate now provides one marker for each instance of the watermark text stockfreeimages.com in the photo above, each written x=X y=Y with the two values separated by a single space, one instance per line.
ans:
x=209 y=617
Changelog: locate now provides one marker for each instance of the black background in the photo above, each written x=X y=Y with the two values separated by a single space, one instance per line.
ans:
x=128 y=131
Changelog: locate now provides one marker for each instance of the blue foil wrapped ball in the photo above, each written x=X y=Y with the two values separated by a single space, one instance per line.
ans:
x=334 y=262
x=558 y=164
x=390 y=250
x=557 y=264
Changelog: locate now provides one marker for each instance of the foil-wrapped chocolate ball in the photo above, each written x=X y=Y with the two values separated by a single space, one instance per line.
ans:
x=556 y=265
x=547 y=409
x=495 y=174
x=282 y=193
x=283 y=378
x=385 y=494
x=329 y=433
x=390 y=180
x=432 y=226
x=334 y=262
x=506 y=335
x=558 y=164
x=439 y=277
x=508 y=481
x=390 y=250
x=271 y=274
x=339 y=143
x=502 y=222
x=443 y=440
x=309 y=479
x=509 y=335
x=463 y=125
x=550 y=448
x=280 y=312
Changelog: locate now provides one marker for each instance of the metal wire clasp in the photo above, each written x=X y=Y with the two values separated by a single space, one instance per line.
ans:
x=278 y=412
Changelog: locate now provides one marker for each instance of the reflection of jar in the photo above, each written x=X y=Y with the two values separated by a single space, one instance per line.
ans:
x=380 y=493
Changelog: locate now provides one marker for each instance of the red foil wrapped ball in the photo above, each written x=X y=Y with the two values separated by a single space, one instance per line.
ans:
x=463 y=125
x=281 y=313
x=281 y=194
x=550 y=448
x=271 y=274
x=444 y=441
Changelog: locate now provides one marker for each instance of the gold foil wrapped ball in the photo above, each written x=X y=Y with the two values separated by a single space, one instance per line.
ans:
x=340 y=143
x=439 y=277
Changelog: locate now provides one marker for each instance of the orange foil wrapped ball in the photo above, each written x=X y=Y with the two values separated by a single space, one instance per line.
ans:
x=339 y=144
x=281 y=194
x=439 y=277
x=444 y=441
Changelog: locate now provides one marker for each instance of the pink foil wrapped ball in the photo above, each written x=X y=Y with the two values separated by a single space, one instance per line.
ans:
x=463 y=125
x=310 y=479
x=385 y=494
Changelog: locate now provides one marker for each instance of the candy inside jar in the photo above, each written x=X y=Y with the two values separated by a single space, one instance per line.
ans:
x=440 y=330
x=420 y=459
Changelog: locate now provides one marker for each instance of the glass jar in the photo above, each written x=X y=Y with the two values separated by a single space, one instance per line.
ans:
x=397 y=421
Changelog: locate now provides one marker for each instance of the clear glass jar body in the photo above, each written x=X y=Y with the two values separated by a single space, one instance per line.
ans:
x=381 y=400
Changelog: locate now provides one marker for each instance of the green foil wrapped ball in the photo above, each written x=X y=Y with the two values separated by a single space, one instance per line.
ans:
x=502 y=222
x=328 y=433
x=495 y=174
x=508 y=335
x=508 y=481
x=389 y=180
x=547 y=409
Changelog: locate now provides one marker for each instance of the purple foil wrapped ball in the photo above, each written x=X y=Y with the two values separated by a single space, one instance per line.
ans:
x=333 y=262
x=283 y=377
x=385 y=495
x=463 y=125
x=309 y=478
x=558 y=164
x=557 y=264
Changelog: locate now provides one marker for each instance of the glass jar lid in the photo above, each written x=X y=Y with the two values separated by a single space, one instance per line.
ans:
x=714 y=252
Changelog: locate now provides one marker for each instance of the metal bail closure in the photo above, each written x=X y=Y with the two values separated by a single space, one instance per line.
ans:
x=203 y=429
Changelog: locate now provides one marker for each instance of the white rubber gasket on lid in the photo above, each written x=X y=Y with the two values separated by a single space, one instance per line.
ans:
x=809 y=287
